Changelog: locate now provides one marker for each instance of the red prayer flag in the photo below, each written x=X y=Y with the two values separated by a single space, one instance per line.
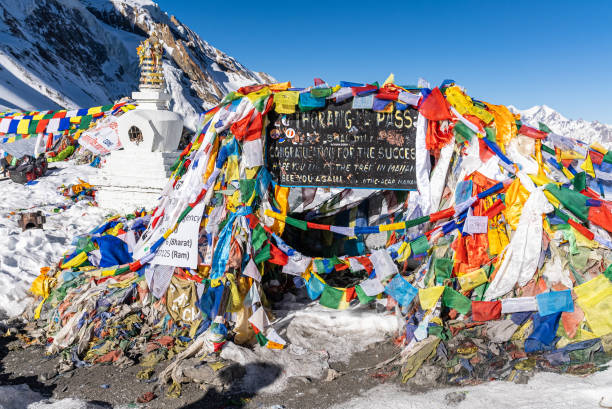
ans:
x=248 y=89
x=532 y=132
x=601 y=216
x=435 y=106
x=366 y=263
x=596 y=157
x=239 y=128
x=254 y=131
x=495 y=209
x=484 y=151
x=277 y=256
x=486 y=310
x=42 y=125
x=350 y=294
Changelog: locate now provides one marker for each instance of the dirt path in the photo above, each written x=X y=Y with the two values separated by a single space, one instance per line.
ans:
x=111 y=386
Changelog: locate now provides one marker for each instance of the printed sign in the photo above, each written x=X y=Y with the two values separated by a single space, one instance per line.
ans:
x=181 y=247
x=340 y=146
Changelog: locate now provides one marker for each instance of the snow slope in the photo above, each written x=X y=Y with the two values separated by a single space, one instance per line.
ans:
x=82 y=53
x=579 y=129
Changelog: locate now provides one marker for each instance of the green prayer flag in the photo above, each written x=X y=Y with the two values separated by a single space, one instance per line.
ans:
x=258 y=237
x=456 y=300
x=479 y=291
x=544 y=127
x=122 y=270
x=416 y=222
x=363 y=297
x=574 y=201
x=335 y=260
x=321 y=92
x=579 y=181
x=319 y=265
x=608 y=157
x=263 y=255
x=462 y=132
x=260 y=103
x=547 y=149
x=85 y=122
x=300 y=224
x=440 y=332
x=230 y=97
x=32 y=127
x=608 y=272
x=420 y=245
x=491 y=134
x=247 y=187
x=331 y=297
x=261 y=338
x=107 y=107
x=184 y=214
x=443 y=267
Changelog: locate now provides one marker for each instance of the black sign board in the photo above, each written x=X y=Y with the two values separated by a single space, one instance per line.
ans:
x=343 y=147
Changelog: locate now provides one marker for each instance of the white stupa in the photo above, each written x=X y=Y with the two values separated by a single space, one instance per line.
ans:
x=133 y=178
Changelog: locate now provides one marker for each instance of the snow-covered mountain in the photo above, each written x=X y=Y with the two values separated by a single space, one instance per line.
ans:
x=82 y=53
x=579 y=129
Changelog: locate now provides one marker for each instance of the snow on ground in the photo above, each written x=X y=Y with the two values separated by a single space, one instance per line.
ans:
x=316 y=336
x=544 y=391
x=21 y=397
x=22 y=254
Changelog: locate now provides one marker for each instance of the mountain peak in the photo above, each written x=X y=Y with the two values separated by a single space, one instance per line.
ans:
x=45 y=66
x=580 y=129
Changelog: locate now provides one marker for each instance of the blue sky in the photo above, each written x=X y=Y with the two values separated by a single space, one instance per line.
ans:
x=557 y=53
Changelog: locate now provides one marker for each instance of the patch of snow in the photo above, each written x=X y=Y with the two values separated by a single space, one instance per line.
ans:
x=22 y=254
x=544 y=391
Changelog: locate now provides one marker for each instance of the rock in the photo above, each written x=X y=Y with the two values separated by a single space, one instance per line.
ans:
x=427 y=376
x=454 y=398
x=146 y=397
x=47 y=375
x=203 y=372
x=331 y=375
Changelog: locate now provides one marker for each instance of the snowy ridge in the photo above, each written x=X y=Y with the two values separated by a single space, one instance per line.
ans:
x=82 y=53
x=585 y=131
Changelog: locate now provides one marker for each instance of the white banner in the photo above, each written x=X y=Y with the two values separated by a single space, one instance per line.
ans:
x=181 y=248
x=103 y=138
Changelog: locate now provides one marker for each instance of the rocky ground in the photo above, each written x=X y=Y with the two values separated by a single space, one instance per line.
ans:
x=111 y=386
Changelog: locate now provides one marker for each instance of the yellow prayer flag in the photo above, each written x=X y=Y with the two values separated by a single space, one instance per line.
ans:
x=22 y=128
x=473 y=279
x=428 y=297
x=587 y=166
x=404 y=251
x=76 y=260
x=595 y=299
x=94 y=110
x=280 y=86
x=597 y=147
x=392 y=226
x=286 y=101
